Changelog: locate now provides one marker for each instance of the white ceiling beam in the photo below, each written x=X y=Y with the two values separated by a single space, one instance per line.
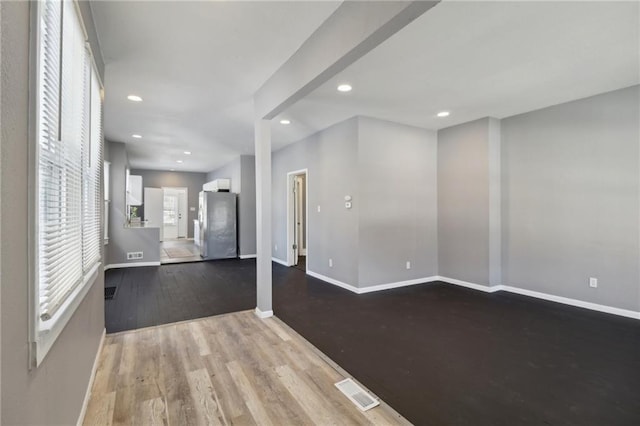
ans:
x=354 y=29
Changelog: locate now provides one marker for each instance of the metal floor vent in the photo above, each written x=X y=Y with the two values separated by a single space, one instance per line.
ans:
x=357 y=395
x=109 y=292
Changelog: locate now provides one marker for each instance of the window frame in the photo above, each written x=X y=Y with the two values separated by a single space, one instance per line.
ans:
x=42 y=338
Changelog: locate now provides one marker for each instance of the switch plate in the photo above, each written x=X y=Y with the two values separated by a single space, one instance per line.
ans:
x=330 y=263
x=318 y=209
x=408 y=265
x=593 y=282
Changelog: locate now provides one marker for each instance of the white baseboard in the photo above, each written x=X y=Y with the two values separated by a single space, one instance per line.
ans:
x=379 y=287
x=263 y=314
x=334 y=282
x=398 y=284
x=131 y=265
x=94 y=369
x=248 y=256
x=484 y=288
x=545 y=296
x=479 y=287
x=574 y=302
x=282 y=262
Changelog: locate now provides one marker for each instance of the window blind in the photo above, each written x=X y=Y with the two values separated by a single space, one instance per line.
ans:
x=92 y=200
x=68 y=161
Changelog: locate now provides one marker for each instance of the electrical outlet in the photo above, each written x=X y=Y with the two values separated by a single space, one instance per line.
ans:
x=330 y=263
x=276 y=247
x=318 y=209
x=408 y=265
x=134 y=255
x=593 y=282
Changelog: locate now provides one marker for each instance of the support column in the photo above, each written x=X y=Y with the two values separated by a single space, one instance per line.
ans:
x=495 y=203
x=262 y=128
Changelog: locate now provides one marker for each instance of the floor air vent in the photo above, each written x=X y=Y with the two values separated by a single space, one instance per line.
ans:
x=357 y=395
x=109 y=292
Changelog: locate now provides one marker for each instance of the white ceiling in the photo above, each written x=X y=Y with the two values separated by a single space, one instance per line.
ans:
x=196 y=65
x=198 y=70
x=478 y=59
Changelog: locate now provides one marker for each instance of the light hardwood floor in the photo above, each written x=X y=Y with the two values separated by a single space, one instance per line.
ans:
x=227 y=369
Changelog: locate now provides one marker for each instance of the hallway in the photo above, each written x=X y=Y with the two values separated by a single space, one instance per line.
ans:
x=179 y=251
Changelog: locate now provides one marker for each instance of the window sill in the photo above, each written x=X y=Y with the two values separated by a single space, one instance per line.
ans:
x=48 y=331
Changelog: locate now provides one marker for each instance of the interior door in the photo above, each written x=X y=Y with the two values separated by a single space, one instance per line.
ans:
x=300 y=215
x=153 y=208
x=296 y=220
x=170 y=216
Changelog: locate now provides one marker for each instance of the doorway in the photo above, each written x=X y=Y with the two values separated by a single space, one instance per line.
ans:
x=174 y=213
x=297 y=218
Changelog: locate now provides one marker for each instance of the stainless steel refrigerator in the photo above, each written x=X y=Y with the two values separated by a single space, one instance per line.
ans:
x=218 y=225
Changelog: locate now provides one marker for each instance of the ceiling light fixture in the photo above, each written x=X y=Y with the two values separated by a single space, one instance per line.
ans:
x=179 y=161
x=137 y=136
x=285 y=122
x=187 y=152
x=134 y=98
x=443 y=114
x=344 y=88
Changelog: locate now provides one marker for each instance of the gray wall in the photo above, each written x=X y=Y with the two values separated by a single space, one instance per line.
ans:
x=247 y=205
x=570 y=199
x=331 y=159
x=192 y=181
x=53 y=393
x=463 y=202
x=121 y=238
x=228 y=171
x=398 y=217
x=389 y=170
x=242 y=172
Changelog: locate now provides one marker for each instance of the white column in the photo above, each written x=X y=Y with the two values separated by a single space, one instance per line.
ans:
x=263 y=217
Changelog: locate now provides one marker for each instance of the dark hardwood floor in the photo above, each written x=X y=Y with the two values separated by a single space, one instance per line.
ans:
x=437 y=353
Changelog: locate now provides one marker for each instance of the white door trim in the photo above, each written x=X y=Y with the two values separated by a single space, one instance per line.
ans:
x=290 y=214
x=182 y=210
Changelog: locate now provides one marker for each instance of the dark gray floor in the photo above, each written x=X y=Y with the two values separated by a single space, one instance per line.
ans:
x=437 y=353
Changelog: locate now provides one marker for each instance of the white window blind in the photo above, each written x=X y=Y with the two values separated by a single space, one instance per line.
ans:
x=92 y=200
x=69 y=157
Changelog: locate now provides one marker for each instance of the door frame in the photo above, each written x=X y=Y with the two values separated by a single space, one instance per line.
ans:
x=290 y=215
x=186 y=207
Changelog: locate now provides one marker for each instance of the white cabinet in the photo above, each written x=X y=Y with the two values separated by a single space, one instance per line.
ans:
x=134 y=193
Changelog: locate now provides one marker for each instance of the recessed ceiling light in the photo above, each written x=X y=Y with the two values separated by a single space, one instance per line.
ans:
x=137 y=136
x=187 y=152
x=134 y=98
x=285 y=122
x=344 y=88
x=443 y=114
x=179 y=161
